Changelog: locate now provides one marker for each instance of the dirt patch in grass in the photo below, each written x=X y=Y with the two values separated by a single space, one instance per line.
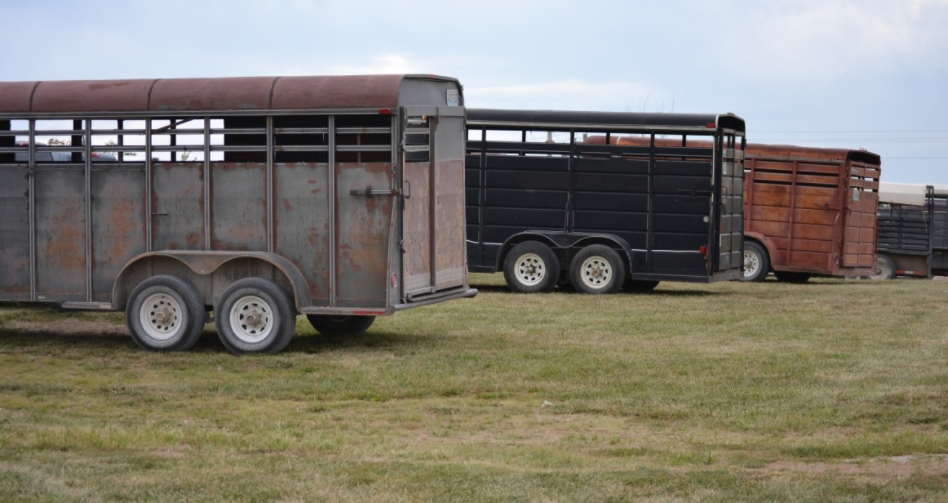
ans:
x=892 y=467
x=69 y=327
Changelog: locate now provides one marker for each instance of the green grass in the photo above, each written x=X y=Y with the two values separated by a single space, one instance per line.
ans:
x=830 y=391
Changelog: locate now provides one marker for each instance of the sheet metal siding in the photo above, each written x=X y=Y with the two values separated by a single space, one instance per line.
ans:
x=177 y=203
x=60 y=234
x=118 y=214
x=15 y=230
x=239 y=206
x=302 y=222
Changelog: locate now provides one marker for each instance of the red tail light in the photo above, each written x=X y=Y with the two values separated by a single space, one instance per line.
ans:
x=385 y=111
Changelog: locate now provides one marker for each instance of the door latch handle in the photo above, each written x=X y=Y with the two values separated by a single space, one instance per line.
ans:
x=369 y=191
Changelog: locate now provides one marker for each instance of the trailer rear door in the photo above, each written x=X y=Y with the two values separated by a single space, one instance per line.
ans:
x=731 y=207
x=859 y=233
x=433 y=189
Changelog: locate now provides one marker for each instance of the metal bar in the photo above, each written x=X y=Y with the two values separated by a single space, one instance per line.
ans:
x=570 y=214
x=32 y=202
x=207 y=183
x=149 y=218
x=173 y=141
x=271 y=189
x=120 y=131
x=433 y=200
x=332 y=211
x=87 y=144
x=362 y=148
x=239 y=130
x=356 y=130
x=547 y=126
x=239 y=148
x=649 y=225
x=121 y=141
x=197 y=114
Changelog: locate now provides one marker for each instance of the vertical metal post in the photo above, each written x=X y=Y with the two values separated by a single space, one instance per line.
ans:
x=32 y=202
x=331 y=125
x=271 y=187
x=649 y=227
x=87 y=149
x=433 y=200
x=149 y=216
x=121 y=140
x=207 y=183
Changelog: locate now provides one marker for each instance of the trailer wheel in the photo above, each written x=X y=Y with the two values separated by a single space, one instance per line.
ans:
x=597 y=269
x=792 y=277
x=531 y=267
x=165 y=313
x=885 y=268
x=331 y=325
x=255 y=315
x=638 y=285
x=756 y=262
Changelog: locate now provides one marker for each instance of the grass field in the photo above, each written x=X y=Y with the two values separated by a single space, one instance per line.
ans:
x=829 y=391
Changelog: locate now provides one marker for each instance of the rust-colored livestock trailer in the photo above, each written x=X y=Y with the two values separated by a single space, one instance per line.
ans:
x=809 y=211
x=341 y=198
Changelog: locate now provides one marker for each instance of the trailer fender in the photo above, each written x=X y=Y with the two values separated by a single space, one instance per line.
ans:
x=206 y=262
x=765 y=242
x=562 y=241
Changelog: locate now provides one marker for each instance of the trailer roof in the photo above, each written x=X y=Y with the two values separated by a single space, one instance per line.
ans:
x=213 y=94
x=538 y=119
x=836 y=154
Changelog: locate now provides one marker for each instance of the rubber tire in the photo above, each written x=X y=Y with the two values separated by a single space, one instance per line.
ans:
x=332 y=325
x=792 y=277
x=639 y=285
x=549 y=262
x=885 y=268
x=763 y=261
x=283 y=314
x=609 y=255
x=192 y=310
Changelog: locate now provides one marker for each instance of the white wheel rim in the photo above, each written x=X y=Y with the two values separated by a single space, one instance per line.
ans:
x=251 y=319
x=530 y=269
x=882 y=269
x=596 y=272
x=162 y=317
x=751 y=263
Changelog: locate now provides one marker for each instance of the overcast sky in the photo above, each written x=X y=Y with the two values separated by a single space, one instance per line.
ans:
x=843 y=73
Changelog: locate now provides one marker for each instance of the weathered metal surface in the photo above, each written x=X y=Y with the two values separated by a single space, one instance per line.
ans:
x=240 y=93
x=364 y=234
x=15 y=96
x=14 y=233
x=302 y=222
x=177 y=206
x=238 y=206
x=118 y=212
x=449 y=209
x=225 y=94
x=449 y=224
x=416 y=268
x=813 y=208
x=61 y=234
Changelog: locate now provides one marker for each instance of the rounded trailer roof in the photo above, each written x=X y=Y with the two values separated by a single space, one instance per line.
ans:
x=213 y=94
x=562 y=118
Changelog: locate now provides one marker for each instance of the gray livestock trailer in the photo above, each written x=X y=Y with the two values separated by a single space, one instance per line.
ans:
x=340 y=198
